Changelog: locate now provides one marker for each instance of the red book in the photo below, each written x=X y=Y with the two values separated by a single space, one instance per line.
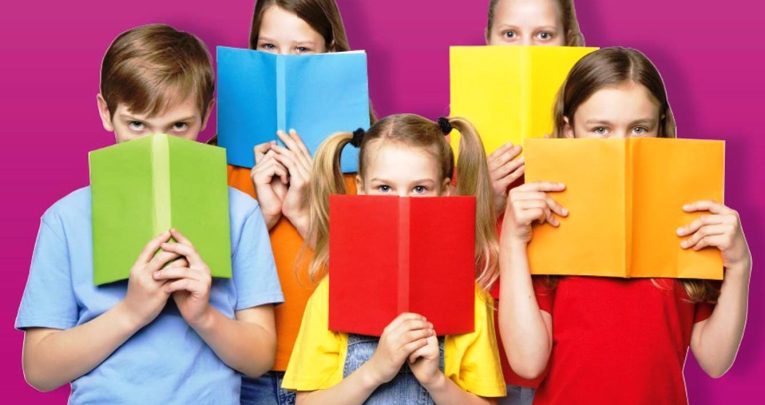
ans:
x=390 y=255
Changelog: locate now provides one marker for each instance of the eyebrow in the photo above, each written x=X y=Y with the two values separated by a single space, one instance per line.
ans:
x=415 y=181
x=127 y=117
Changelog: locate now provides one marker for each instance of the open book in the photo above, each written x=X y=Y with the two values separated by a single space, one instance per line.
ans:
x=625 y=200
x=390 y=255
x=316 y=95
x=146 y=186
x=508 y=92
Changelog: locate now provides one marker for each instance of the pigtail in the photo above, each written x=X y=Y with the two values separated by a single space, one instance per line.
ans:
x=326 y=179
x=473 y=179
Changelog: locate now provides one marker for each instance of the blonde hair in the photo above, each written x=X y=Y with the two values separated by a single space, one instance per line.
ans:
x=572 y=33
x=472 y=178
x=613 y=66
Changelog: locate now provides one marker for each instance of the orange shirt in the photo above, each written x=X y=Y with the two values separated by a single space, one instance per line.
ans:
x=292 y=260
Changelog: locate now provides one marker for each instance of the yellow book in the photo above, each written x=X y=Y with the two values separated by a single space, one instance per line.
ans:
x=508 y=92
x=625 y=199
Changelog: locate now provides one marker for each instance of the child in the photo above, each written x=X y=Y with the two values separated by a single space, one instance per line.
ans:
x=403 y=155
x=123 y=342
x=280 y=177
x=525 y=22
x=610 y=340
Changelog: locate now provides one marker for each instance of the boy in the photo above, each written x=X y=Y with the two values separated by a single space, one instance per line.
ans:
x=122 y=342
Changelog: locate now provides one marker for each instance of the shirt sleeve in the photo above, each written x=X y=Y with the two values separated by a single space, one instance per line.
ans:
x=471 y=360
x=318 y=356
x=252 y=261
x=544 y=290
x=49 y=300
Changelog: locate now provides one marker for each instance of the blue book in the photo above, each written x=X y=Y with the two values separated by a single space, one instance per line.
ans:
x=316 y=95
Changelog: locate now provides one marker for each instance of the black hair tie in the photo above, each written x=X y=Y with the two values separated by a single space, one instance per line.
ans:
x=445 y=125
x=358 y=136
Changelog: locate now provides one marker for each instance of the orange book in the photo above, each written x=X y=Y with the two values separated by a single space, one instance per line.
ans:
x=625 y=199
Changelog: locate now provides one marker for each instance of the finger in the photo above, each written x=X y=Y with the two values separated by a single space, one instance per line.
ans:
x=556 y=207
x=717 y=241
x=505 y=153
x=698 y=223
x=295 y=169
x=260 y=151
x=411 y=347
x=183 y=284
x=179 y=262
x=148 y=251
x=403 y=318
x=417 y=334
x=509 y=167
x=542 y=186
x=160 y=260
x=185 y=248
x=706 y=205
x=704 y=231
x=171 y=273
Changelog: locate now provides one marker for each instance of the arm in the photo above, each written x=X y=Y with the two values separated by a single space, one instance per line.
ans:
x=526 y=330
x=270 y=179
x=402 y=337
x=247 y=343
x=504 y=169
x=53 y=357
x=715 y=341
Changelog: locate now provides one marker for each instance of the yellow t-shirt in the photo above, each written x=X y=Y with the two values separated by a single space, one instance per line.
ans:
x=471 y=360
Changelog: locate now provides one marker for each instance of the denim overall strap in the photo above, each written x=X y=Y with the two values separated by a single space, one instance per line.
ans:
x=403 y=389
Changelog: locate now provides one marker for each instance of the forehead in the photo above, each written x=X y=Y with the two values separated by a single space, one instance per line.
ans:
x=397 y=160
x=624 y=102
x=527 y=12
x=174 y=107
x=278 y=23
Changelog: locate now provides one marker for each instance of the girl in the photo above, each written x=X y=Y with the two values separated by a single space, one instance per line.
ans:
x=404 y=155
x=280 y=177
x=614 y=340
x=525 y=22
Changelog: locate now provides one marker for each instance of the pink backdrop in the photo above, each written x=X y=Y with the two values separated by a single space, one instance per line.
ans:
x=711 y=58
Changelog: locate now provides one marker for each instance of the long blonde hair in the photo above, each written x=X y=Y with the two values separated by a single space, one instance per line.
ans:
x=472 y=178
x=614 y=66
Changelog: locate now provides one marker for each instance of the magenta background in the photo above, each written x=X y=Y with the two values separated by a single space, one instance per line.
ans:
x=711 y=58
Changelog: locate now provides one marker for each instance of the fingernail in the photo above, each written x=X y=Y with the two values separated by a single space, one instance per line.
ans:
x=680 y=231
x=565 y=211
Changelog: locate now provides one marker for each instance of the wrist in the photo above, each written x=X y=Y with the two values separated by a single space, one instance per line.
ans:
x=436 y=383
x=129 y=319
x=370 y=378
x=205 y=321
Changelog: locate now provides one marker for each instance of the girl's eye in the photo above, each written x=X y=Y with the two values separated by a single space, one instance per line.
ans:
x=509 y=34
x=545 y=36
x=136 y=125
x=383 y=188
x=267 y=46
x=302 y=49
x=420 y=189
x=640 y=130
x=600 y=130
x=180 y=126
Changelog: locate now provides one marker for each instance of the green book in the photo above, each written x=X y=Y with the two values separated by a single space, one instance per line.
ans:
x=146 y=186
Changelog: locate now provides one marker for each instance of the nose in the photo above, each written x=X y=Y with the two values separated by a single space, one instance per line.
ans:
x=527 y=41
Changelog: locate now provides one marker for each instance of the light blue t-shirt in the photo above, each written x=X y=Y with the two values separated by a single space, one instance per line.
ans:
x=166 y=362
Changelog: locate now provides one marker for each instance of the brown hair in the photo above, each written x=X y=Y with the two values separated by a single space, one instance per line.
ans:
x=150 y=66
x=610 y=67
x=573 y=35
x=472 y=178
x=614 y=66
x=322 y=15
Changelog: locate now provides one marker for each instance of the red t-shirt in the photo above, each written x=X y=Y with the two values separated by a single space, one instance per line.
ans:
x=617 y=341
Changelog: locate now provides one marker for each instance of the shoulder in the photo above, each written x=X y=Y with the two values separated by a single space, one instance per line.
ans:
x=73 y=207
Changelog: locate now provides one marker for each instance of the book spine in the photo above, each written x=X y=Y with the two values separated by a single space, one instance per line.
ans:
x=160 y=177
x=404 y=231
x=281 y=94
x=526 y=94
x=629 y=173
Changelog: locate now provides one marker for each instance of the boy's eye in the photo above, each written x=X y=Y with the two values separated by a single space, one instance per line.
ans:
x=180 y=126
x=545 y=36
x=509 y=34
x=136 y=125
